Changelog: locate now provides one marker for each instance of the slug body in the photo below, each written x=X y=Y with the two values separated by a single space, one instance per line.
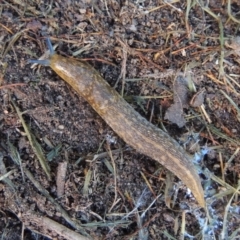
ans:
x=126 y=122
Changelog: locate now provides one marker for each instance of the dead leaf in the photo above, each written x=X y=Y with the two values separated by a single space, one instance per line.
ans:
x=180 y=91
x=34 y=25
x=175 y=115
x=180 y=96
x=198 y=98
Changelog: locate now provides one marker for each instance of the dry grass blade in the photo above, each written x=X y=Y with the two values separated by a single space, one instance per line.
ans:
x=155 y=199
x=34 y=143
x=221 y=39
x=230 y=13
x=108 y=165
x=202 y=107
x=230 y=77
x=152 y=97
x=4 y=176
x=81 y=50
x=148 y=183
x=12 y=41
x=224 y=233
x=235 y=234
x=52 y=226
x=217 y=132
x=64 y=214
x=170 y=4
x=87 y=182
x=176 y=225
x=39 y=153
x=16 y=157
x=6 y=28
x=3 y=171
x=183 y=226
x=233 y=104
x=231 y=159
x=123 y=223
x=222 y=183
x=168 y=235
x=115 y=178
x=189 y=5
x=224 y=194
x=17 y=2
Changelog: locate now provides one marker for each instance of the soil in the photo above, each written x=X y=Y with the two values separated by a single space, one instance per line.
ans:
x=98 y=187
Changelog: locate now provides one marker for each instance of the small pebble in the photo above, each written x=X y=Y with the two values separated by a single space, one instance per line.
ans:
x=61 y=127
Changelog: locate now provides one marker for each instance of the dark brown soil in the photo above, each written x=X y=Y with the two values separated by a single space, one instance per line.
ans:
x=97 y=181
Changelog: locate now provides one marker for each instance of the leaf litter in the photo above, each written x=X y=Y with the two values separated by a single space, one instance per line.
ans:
x=145 y=45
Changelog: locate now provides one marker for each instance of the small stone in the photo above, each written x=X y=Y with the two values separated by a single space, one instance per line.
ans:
x=61 y=127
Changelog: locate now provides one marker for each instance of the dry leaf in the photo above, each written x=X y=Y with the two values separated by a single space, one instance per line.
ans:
x=34 y=25
x=175 y=115
x=180 y=96
x=198 y=98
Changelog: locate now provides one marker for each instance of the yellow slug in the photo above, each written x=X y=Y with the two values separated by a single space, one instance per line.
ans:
x=125 y=121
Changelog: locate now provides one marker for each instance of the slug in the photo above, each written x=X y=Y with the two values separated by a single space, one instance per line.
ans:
x=128 y=124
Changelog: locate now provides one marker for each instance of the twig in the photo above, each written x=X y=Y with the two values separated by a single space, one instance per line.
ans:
x=61 y=175
x=12 y=85
x=52 y=226
x=230 y=14
x=233 y=104
x=73 y=223
x=221 y=165
x=230 y=160
x=115 y=178
x=205 y=113
x=148 y=184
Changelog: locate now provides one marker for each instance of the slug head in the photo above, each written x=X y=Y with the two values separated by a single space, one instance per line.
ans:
x=45 y=62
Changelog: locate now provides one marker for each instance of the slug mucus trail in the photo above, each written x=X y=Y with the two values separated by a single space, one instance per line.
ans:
x=124 y=120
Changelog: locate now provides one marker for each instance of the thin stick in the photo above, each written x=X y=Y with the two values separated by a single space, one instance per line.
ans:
x=73 y=223
x=115 y=178
x=52 y=226
x=12 y=85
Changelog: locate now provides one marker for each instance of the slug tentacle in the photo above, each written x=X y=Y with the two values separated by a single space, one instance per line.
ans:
x=50 y=46
x=44 y=62
x=126 y=122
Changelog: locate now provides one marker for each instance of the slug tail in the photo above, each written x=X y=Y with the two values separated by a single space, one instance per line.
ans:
x=45 y=62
